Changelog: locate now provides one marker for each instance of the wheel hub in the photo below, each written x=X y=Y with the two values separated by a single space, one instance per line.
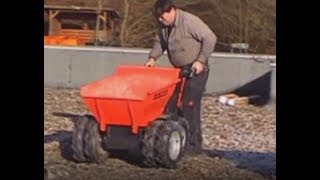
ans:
x=174 y=145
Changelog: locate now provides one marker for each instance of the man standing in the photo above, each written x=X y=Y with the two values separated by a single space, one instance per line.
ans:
x=189 y=43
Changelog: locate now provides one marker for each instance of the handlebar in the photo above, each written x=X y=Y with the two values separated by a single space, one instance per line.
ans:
x=188 y=73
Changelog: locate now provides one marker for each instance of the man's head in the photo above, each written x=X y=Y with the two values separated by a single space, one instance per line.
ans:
x=165 y=12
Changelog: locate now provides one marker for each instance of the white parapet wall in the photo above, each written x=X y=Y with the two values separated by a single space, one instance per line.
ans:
x=72 y=67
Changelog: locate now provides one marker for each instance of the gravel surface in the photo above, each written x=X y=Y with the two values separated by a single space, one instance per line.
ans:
x=239 y=143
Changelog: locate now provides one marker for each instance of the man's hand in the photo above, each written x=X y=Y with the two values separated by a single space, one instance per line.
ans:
x=198 y=66
x=151 y=62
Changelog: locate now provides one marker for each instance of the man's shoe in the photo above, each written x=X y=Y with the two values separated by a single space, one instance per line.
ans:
x=192 y=151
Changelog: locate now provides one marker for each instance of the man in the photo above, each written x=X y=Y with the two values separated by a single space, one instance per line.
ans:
x=189 y=43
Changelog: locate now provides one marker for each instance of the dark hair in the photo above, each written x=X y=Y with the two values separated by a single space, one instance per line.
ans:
x=162 y=6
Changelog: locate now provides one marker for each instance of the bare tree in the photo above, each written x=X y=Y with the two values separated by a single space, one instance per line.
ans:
x=99 y=6
x=246 y=21
x=124 y=22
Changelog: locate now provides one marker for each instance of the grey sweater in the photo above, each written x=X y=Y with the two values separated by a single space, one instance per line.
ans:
x=190 y=39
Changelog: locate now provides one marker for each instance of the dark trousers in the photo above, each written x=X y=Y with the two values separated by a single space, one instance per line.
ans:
x=191 y=106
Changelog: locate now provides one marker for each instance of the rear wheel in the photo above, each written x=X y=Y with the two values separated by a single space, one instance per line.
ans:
x=184 y=125
x=148 y=142
x=162 y=143
x=169 y=144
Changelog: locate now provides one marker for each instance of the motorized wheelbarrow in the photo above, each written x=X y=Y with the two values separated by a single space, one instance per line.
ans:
x=128 y=108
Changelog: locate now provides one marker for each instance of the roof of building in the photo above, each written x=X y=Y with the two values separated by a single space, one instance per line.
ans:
x=81 y=9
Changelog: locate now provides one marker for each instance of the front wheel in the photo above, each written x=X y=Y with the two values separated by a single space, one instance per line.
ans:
x=86 y=142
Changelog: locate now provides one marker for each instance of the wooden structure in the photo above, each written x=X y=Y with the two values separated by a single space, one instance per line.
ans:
x=89 y=25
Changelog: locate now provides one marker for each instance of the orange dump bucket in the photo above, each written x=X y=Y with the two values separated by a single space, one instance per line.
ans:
x=132 y=96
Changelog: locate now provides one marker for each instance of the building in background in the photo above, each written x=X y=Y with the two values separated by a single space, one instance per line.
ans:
x=74 y=25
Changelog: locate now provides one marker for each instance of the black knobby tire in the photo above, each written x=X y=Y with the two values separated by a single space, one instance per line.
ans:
x=167 y=131
x=77 y=139
x=186 y=129
x=148 y=142
x=92 y=142
x=86 y=141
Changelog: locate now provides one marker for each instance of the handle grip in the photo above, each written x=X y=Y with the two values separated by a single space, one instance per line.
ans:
x=188 y=73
